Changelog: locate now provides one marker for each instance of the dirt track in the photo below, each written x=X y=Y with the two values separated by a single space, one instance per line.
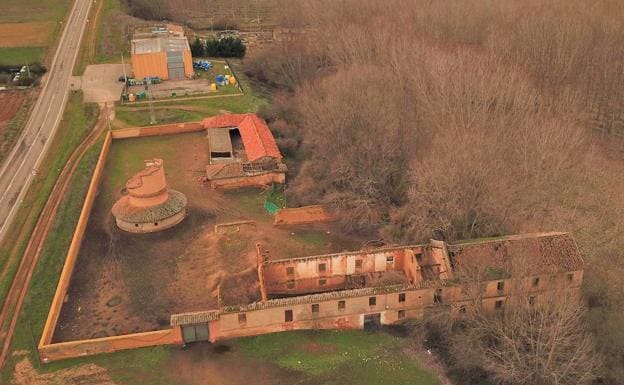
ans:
x=12 y=305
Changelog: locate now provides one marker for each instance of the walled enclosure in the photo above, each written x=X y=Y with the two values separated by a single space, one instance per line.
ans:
x=342 y=290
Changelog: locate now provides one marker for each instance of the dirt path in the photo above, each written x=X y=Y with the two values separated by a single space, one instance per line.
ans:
x=11 y=308
x=91 y=374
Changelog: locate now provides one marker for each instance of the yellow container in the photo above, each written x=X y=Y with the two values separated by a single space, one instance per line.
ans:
x=227 y=78
x=132 y=97
x=213 y=87
x=232 y=80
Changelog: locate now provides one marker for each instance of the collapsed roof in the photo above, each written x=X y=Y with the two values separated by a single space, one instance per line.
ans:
x=527 y=254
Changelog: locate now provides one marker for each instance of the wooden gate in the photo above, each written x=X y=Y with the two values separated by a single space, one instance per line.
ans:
x=195 y=333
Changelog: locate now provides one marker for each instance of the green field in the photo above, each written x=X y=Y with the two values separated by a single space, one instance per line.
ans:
x=31 y=11
x=18 y=56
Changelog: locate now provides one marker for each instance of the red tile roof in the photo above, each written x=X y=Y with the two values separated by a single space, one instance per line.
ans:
x=256 y=136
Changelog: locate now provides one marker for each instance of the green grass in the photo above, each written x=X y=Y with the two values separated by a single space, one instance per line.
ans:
x=18 y=56
x=77 y=121
x=163 y=116
x=315 y=238
x=218 y=68
x=251 y=202
x=111 y=40
x=47 y=272
x=173 y=112
x=340 y=357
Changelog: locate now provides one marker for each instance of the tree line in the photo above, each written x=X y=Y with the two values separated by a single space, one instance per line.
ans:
x=456 y=120
x=224 y=47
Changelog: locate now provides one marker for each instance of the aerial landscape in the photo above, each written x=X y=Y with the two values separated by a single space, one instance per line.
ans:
x=229 y=192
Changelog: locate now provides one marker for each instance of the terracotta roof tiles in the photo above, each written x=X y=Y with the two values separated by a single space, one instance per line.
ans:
x=256 y=135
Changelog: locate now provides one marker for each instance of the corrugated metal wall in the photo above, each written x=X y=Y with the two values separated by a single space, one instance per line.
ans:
x=175 y=65
x=150 y=64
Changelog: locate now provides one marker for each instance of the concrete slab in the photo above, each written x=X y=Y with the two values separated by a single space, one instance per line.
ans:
x=100 y=82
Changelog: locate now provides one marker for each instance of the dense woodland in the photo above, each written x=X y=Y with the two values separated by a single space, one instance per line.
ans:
x=454 y=120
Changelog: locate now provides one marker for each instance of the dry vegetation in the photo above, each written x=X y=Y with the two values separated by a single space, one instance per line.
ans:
x=458 y=120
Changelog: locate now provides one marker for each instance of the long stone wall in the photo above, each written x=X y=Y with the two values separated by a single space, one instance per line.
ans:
x=74 y=248
x=73 y=349
x=164 y=129
x=305 y=214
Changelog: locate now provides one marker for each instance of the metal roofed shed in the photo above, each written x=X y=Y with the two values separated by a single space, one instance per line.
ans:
x=166 y=57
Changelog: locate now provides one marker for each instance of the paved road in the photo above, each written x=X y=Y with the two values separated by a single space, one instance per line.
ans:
x=20 y=166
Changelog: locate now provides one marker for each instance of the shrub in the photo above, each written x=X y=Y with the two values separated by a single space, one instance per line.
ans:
x=226 y=47
x=198 y=48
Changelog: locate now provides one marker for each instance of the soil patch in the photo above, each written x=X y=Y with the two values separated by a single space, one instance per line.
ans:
x=35 y=34
x=202 y=364
x=127 y=283
x=10 y=103
x=91 y=374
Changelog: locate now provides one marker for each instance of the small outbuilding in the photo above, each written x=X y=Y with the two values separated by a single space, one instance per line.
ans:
x=243 y=152
x=148 y=205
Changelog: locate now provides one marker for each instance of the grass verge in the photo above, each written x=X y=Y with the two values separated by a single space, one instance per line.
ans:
x=185 y=111
x=76 y=123
x=111 y=35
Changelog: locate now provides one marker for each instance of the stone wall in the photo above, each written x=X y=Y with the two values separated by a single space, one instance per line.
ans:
x=305 y=214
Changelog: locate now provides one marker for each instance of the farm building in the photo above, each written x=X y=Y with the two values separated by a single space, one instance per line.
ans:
x=149 y=206
x=165 y=54
x=243 y=152
x=362 y=289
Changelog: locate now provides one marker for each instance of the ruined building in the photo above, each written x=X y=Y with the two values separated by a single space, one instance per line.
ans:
x=148 y=205
x=242 y=152
x=390 y=284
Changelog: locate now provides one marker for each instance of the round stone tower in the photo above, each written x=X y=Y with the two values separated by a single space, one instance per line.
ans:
x=149 y=205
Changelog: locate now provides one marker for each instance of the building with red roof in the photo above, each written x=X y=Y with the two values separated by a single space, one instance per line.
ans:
x=243 y=152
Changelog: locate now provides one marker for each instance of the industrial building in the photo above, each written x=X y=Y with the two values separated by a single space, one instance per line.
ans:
x=163 y=53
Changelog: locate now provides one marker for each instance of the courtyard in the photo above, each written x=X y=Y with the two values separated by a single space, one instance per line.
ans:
x=127 y=283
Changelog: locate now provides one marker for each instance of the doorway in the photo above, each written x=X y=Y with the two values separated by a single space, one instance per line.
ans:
x=372 y=321
x=195 y=333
